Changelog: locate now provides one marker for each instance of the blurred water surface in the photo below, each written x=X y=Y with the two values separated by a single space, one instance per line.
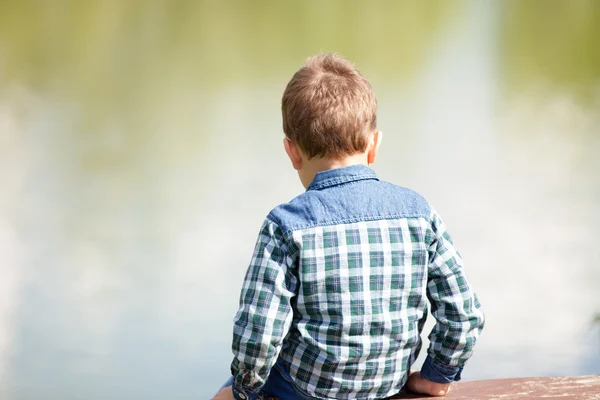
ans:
x=140 y=149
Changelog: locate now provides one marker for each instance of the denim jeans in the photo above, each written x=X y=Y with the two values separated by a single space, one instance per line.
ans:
x=277 y=387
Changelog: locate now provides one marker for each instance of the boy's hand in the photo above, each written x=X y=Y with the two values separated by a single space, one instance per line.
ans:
x=417 y=384
x=224 y=394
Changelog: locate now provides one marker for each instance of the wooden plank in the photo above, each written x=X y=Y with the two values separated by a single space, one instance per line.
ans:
x=563 y=388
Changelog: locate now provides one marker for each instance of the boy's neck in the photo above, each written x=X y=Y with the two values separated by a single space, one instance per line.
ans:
x=314 y=166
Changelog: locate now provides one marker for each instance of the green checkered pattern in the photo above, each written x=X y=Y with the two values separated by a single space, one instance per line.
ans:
x=343 y=306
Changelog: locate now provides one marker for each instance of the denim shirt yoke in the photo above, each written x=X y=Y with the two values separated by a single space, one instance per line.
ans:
x=346 y=195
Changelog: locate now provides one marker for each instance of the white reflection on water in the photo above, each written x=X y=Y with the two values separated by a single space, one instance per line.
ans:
x=120 y=282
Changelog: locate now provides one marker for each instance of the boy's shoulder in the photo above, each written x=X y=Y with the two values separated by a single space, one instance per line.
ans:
x=367 y=200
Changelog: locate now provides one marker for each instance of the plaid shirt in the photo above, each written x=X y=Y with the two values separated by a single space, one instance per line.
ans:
x=337 y=293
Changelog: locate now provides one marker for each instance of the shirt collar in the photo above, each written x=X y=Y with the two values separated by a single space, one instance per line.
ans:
x=338 y=176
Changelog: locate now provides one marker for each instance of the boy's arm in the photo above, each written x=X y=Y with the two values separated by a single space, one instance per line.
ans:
x=455 y=307
x=265 y=314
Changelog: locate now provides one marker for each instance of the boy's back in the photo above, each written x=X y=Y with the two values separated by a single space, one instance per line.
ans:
x=351 y=262
x=335 y=297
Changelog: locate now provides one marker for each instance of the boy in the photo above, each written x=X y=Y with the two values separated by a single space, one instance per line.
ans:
x=335 y=298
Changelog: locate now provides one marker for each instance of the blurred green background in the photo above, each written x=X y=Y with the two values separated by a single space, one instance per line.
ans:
x=140 y=149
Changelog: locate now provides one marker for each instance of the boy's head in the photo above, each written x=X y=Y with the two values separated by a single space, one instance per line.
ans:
x=329 y=111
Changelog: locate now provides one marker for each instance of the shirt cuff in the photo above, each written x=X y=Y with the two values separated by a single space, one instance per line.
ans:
x=241 y=392
x=439 y=373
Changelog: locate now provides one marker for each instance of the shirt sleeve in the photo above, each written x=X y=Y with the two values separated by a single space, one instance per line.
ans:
x=265 y=313
x=454 y=305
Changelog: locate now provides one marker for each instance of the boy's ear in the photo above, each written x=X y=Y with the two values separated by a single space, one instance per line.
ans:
x=293 y=153
x=374 y=143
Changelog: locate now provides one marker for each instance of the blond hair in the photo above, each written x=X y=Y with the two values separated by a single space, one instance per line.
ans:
x=329 y=109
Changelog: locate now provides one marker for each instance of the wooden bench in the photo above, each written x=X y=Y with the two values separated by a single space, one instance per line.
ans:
x=560 y=388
